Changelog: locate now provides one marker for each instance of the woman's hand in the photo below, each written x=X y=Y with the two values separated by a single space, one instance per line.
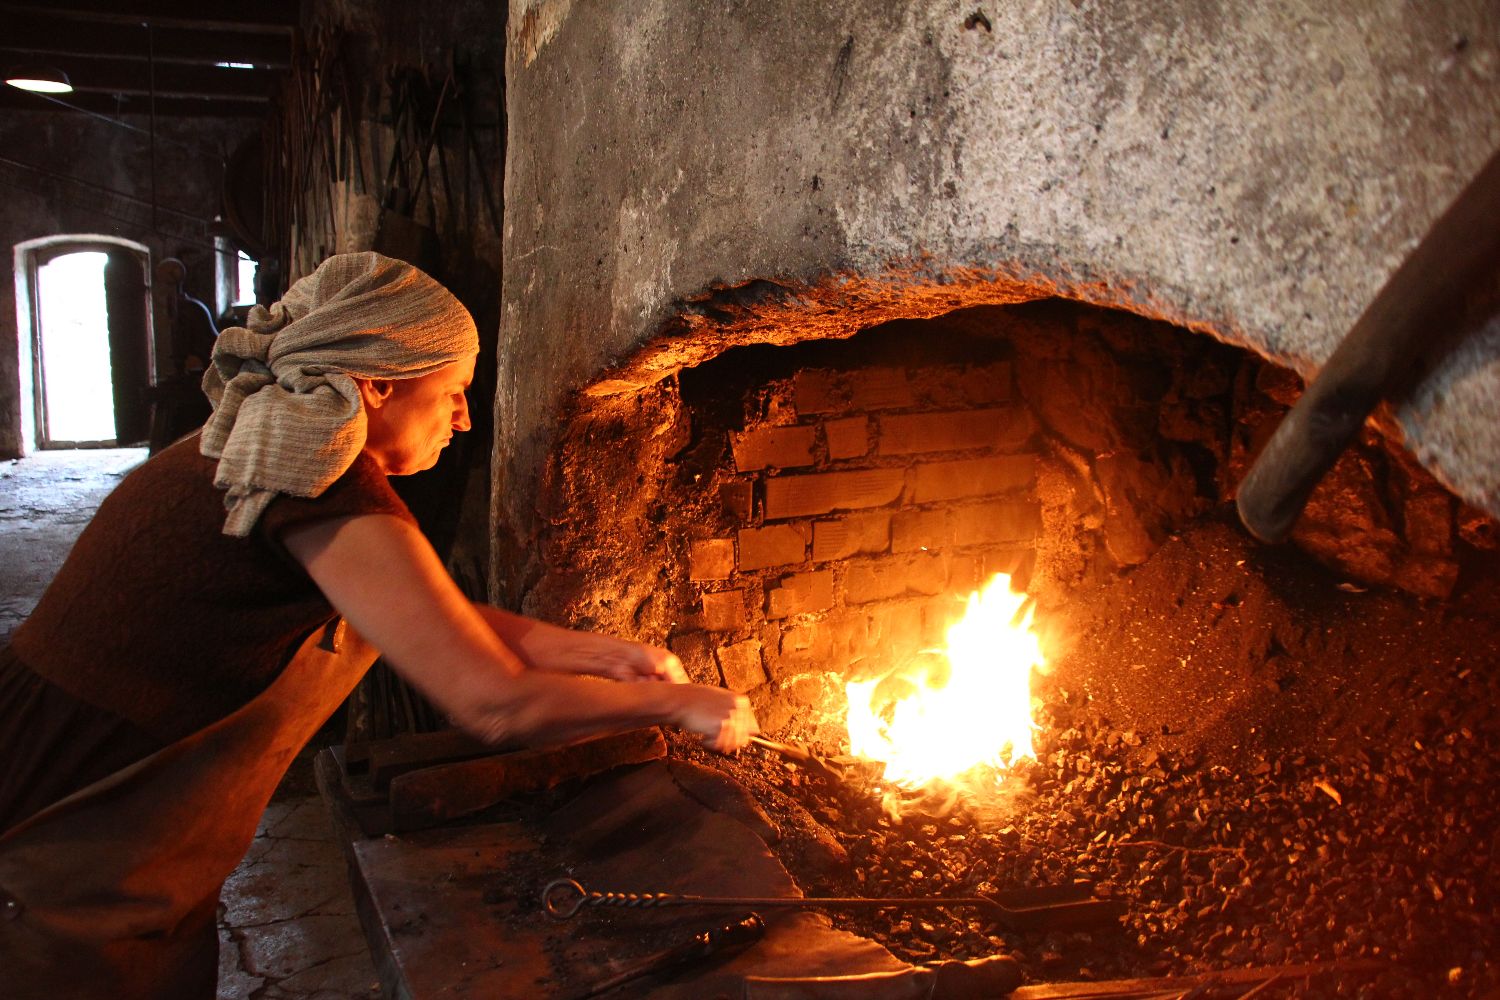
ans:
x=569 y=651
x=720 y=716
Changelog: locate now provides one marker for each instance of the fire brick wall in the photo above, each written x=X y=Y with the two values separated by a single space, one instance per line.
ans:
x=784 y=518
x=858 y=511
x=864 y=495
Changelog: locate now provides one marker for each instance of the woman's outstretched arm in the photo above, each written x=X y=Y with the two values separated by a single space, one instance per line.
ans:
x=381 y=574
x=543 y=646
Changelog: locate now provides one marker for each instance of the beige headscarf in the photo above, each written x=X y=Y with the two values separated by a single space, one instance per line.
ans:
x=287 y=411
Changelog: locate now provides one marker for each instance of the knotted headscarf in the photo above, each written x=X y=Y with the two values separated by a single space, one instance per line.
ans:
x=288 y=417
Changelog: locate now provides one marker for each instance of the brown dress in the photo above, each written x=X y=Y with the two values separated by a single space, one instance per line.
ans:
x=148 y=708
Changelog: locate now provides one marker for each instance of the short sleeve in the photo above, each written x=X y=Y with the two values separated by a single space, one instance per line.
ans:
x=363 y=489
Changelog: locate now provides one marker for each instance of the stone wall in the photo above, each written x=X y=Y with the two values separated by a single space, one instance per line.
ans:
x=784 y=170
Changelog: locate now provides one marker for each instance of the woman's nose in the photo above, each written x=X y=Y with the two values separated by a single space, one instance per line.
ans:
x=461 y=420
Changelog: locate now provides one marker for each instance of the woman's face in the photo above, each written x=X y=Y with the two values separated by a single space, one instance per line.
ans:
x=411 y=420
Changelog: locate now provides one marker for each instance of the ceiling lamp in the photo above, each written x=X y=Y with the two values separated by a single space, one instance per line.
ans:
x=41 y=79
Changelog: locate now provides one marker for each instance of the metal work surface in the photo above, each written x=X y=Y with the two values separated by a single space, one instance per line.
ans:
x=456 y=911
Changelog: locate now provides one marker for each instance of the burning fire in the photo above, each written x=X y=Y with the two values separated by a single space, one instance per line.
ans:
x=964 y=706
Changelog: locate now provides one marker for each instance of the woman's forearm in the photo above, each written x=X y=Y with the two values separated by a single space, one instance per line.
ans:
x=383 y=576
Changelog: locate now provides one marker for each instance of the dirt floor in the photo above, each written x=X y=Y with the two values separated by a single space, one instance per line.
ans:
x=1263 y=763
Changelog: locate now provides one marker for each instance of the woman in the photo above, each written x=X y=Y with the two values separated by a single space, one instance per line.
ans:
x=195 y=638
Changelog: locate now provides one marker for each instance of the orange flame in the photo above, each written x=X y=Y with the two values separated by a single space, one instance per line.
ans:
x=973 y=707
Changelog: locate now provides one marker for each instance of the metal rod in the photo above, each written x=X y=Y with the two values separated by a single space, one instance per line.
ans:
x=563 y=898
x=151 y=78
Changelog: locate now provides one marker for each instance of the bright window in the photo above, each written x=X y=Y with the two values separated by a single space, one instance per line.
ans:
x=244 y=286
x=77 y=383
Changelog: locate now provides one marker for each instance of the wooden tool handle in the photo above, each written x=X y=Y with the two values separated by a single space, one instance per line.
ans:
x=1410 y=324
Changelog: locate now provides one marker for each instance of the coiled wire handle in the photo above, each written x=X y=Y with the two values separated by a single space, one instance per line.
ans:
x=564 y=897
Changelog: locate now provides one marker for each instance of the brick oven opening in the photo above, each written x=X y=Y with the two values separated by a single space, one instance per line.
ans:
x=1266 y=755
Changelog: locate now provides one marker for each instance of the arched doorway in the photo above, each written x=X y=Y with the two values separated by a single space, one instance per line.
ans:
x=89 y=342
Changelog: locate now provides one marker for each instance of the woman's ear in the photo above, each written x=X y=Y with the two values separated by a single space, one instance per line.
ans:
x=374 y=391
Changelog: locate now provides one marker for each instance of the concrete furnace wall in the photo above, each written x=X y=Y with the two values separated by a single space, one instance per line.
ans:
x=1252 y=171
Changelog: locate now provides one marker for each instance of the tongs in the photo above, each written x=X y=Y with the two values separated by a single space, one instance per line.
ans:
x=819 y=765
x=1046 y=908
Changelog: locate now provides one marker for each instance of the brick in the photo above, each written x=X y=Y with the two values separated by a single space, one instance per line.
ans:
x=954 y=430
x=822 y=492
x=897 y=627
x=972 y=478
x=828 y=643
x=817 y=392
x=735 y=499
x=1016 y=430
x=724 y=611
x=800 y=594
x=940 y=613
x=764 y=447
x=777 y=545
x=1000 y=521
x=857 y=534
x=879 y=389
x=711 y=559
x=741 y=666
x=963 y=574
x=847 y=438
x=986 y=384
x=884 y=579
x=920 y=530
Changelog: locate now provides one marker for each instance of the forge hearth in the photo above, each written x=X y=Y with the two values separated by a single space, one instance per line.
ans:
x=1266 y=756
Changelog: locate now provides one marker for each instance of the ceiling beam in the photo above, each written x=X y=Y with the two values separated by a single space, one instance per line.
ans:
x=40 y=37
x=135 y=78
x=264 y=16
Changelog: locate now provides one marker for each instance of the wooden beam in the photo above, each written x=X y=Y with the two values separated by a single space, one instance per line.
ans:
x=40 y=39
x=264 y=16
x=435 y=795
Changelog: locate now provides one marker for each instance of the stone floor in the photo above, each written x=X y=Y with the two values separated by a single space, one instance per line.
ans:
x=287 y=926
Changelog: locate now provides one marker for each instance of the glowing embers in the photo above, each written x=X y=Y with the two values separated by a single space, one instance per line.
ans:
x=966 y=708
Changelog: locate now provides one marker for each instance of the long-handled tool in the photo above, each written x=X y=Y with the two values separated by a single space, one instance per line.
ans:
x=1403 y=334
x=819 y=765
x=1048 y=908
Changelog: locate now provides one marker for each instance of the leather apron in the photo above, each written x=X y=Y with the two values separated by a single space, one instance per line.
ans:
x=113 y=891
